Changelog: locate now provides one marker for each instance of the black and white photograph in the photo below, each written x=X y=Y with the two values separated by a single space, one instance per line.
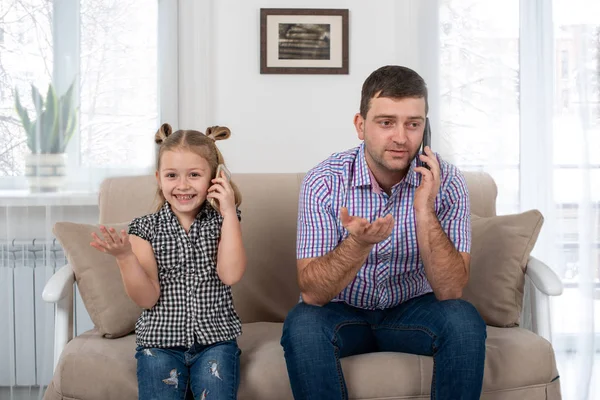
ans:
x=304 y=41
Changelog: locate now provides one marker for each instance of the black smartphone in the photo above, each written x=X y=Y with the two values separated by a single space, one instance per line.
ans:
x=426 y=142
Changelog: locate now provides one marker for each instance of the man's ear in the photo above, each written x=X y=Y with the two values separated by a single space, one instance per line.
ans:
x=359 y=124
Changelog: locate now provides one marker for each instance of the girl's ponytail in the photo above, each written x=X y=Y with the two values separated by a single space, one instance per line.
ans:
x=163 y=132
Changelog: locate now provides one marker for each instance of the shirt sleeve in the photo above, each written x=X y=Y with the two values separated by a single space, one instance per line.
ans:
x=142 y=227
x=455 y=213
x=317 y=228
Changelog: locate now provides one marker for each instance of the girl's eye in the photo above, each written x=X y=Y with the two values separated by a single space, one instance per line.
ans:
x=170 y=175
x=195 y=174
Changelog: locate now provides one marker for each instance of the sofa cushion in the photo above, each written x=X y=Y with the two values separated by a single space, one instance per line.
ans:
x=268 y=289
x=515 y=358
x=519 y=364
x=500 y=249
x=92 y=367
x=99 y=279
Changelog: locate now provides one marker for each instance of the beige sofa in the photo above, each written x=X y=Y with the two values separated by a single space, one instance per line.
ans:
x=520 y=364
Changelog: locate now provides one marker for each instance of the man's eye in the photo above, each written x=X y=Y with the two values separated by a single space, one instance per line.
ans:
x=386 y=123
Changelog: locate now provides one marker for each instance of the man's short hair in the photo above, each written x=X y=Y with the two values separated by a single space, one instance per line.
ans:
x=392 y=81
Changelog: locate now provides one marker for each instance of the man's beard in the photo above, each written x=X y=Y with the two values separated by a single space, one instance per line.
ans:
x=380 y=160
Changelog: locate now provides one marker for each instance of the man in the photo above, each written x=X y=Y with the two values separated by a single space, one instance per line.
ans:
x=383 y=253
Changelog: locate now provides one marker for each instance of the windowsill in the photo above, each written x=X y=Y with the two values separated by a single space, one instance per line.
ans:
x=24 y=198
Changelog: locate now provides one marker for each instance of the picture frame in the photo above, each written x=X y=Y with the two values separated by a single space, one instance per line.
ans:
x=303 y=41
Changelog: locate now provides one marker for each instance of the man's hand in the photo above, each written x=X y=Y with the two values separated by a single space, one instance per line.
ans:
x=430 y=182
x=363 y=231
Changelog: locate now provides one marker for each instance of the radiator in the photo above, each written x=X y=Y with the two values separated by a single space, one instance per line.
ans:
x=26 y=321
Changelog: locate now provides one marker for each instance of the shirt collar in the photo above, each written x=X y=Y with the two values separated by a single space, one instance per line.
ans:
x=413 y=178
x=206 y=212
x=362 y=175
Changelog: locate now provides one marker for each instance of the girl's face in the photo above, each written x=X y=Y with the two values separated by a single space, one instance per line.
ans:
x=184 y=178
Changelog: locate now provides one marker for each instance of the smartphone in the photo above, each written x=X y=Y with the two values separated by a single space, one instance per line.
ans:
x=426 y=142
x=221 y=167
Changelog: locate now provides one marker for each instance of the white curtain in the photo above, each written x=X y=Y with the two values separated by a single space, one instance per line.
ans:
x=520 y=99
x=108 y=52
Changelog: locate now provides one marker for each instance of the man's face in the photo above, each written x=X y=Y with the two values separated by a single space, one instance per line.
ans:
x=392 y=131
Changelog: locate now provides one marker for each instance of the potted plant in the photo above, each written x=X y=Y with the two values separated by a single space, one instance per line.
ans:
x=47 y=137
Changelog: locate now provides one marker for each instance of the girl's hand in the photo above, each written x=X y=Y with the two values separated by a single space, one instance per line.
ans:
x=113 y=243
x=222 y=191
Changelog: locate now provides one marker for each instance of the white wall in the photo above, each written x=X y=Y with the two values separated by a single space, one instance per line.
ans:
x=288 y=123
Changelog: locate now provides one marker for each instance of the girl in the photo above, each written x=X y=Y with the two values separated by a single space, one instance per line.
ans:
x=178 y=264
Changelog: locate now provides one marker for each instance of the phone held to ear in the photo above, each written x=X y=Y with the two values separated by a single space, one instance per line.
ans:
x=220 y=168
x=426 y=142
x=223 y=168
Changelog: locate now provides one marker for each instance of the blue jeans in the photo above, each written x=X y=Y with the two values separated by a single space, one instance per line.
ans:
x=211 y=372
x=452 y=331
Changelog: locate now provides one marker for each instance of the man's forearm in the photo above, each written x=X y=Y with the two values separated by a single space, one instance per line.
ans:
x=326 y=276
x=444 y=266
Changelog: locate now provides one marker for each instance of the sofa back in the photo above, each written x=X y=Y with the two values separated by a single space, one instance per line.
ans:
x=269 y=211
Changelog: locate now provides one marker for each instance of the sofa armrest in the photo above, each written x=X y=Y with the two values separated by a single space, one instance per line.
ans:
x=59 y=290
x=59 y=285
x=543 y=277
x=544 y=283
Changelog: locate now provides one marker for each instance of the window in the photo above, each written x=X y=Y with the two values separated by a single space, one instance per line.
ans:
x=564 y=64
x=520 y=99
x=109 y=49
x=119 y=82
x=480 y=90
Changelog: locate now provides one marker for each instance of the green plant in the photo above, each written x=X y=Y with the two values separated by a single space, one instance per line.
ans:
x=55 y=123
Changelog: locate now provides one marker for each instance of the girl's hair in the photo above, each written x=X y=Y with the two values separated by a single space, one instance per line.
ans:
x=202 y=144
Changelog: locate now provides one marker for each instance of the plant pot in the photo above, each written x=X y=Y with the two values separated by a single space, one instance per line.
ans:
x=46 y=172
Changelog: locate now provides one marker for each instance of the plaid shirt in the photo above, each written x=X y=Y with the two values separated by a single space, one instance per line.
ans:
x=393 y=272
x=194 y=305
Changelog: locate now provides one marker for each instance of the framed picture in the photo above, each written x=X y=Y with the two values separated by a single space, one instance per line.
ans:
x=303 y=41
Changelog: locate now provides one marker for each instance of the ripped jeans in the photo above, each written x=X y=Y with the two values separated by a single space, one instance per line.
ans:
x=206 y=372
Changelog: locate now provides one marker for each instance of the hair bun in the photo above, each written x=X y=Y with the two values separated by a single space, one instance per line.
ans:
x=218 y=132
x=163 y=132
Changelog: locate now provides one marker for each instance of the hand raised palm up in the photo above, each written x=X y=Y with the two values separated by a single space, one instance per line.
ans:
x=113 y=243
x=364 y=231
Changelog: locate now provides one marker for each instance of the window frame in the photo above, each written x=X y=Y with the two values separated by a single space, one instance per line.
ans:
x=66 y=56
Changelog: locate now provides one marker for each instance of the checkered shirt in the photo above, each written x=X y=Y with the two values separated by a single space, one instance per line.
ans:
x=194 y=304
x=393 y=272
